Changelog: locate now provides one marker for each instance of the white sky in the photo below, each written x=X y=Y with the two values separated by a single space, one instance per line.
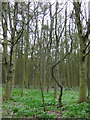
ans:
x=42 y=0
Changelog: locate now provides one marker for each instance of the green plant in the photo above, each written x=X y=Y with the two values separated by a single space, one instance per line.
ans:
x=30 y=105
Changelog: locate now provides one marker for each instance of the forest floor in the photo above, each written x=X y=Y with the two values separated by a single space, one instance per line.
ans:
x=31 y=106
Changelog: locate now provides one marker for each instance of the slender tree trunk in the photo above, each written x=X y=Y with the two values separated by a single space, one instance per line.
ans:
x=4 y=55
x=41 y=88
x=26 y=51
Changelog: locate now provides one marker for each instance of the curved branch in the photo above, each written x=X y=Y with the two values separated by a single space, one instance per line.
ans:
x=61 y=91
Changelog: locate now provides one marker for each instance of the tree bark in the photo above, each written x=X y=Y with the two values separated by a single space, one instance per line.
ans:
x=83 y=77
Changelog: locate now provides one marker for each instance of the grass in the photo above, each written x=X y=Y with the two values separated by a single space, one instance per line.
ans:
x=30 y=105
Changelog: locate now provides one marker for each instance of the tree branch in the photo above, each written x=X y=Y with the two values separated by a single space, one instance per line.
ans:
x=86 y=46
x=86 y=54
x=23 y=28
x=61 y=61
x=60 y=103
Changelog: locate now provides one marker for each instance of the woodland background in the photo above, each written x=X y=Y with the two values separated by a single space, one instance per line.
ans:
x=45 y=46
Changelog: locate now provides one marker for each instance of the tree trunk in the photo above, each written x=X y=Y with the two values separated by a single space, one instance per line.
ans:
x=83 y=76
x=9 y=84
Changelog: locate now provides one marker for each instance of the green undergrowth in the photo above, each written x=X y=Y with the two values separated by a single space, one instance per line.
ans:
x=30 y=105
x=72 y=109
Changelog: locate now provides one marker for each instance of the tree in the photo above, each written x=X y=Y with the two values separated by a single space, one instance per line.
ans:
x=9 y=24
x=5 y=53
x=26 y=49
x=83 y=38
